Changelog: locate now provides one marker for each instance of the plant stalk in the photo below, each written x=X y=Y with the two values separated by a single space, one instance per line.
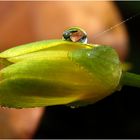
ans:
x=130 y=79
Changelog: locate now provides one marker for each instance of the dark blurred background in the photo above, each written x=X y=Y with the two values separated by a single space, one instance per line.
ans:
x=117 y=116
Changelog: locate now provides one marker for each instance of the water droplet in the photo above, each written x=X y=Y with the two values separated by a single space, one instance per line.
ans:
x=75 y=34
x=72 y=107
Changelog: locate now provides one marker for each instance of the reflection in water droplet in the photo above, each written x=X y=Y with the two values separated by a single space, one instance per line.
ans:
x=75 y=34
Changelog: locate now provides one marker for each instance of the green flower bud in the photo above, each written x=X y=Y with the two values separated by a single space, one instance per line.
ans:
x=57 y=72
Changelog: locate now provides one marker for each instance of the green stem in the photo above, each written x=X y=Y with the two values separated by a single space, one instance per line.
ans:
x=130 y=79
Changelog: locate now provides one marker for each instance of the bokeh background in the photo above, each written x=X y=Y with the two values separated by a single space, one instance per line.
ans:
x=116 y=116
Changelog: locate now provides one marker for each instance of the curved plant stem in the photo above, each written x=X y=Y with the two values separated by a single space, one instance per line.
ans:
x=130 y=79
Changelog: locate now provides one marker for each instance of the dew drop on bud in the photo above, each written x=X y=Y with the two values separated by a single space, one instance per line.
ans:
x=75 y=34
x=72 y=107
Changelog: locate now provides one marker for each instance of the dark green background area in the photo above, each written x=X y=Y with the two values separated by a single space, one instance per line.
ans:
x=128 y=9
x=117 y=116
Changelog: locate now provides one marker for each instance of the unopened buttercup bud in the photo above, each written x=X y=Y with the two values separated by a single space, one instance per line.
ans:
x=58 y=72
